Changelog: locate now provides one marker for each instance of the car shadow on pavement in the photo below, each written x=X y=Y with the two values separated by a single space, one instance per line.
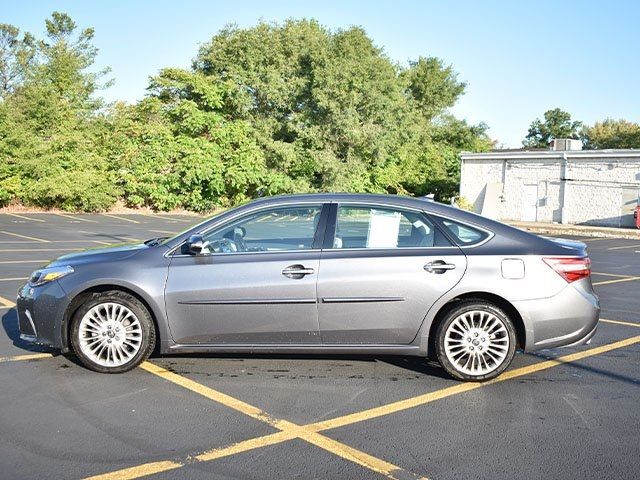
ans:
x=597 y=371
x=418 y=365
x=10 y=325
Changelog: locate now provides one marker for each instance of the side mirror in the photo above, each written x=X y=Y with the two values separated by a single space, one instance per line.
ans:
x=196 y=245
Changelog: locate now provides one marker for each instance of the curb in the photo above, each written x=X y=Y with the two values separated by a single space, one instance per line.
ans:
x=579 y=230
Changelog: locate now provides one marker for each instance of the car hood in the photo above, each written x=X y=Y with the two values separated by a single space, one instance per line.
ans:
x=99 y=254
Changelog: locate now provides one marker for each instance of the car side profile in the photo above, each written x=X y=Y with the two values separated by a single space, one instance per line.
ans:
x=320 y=273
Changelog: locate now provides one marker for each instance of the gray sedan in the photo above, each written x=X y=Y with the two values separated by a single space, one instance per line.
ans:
x=323 y=273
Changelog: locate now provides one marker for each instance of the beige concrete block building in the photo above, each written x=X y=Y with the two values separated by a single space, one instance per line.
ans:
x=591 y=187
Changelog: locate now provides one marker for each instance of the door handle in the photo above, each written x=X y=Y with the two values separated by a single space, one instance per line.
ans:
x=438 y=266
x=297 y=271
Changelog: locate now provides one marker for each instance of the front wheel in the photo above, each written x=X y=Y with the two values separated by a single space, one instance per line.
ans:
x=475 y=341
x=112 y=332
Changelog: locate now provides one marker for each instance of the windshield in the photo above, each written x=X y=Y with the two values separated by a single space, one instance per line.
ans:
x=168 y=239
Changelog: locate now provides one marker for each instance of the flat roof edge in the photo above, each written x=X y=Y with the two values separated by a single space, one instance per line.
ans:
x=551 y=154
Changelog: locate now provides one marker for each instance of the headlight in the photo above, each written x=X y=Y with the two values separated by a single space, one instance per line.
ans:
x=49 y=274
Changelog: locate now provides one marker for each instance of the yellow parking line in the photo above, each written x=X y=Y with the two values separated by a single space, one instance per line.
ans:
x=164 y=231
x=246 y=445
x=303 y=431
x=12 y=279
x=465 y=387
x=7 y=250
x=596 y=239
x=13 y=242
x=216 y=396
x=293 y=430
x=21 y=358
x=6 y=303
x=611 y=274
x=119 y=218
x=139 y=471
x=619 y=322
x=6 y=262
x=173 y=219
x=80 y=219
x=358 y=457
x=42 y=240
x=26 y=218
x=623 y=247
x=606 y=282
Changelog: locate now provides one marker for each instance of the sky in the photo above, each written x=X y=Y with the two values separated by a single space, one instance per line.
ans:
x=519 y=58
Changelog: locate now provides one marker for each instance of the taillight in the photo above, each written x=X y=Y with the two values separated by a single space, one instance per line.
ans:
x=571 y=269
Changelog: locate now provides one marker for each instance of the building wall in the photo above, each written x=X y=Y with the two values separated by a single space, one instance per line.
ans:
x=598 y=191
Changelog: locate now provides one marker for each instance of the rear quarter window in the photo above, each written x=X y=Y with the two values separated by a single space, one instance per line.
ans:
x=465 y=235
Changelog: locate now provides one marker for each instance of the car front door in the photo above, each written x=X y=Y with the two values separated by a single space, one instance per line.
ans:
x=380 y=273
x=256 y=284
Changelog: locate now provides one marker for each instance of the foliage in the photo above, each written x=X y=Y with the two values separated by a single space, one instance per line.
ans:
x=557 y=124
x=276 y=108
x=612 y=134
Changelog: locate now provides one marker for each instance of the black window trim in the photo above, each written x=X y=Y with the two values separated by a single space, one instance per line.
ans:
x=175 y=252
x=333 y=221
x=437 y=219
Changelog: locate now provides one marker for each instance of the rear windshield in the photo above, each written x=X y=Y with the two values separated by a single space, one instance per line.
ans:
x=465 y=235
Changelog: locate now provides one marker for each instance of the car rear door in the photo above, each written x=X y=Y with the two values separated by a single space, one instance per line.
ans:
x=381 y=270
x=258 y=289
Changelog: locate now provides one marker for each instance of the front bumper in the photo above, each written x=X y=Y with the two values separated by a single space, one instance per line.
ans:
x=41 y=314
x=566 y=319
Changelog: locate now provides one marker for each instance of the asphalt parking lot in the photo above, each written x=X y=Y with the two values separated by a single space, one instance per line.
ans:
x=564 y=413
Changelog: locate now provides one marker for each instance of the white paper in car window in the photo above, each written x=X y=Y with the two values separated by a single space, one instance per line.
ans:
x=384 y=227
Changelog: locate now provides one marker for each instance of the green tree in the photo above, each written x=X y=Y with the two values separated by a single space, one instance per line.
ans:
x=612 y=134
x=177 y=149
x=16 y=58
x=52 y=130
x=557 y=124
x=330 y=109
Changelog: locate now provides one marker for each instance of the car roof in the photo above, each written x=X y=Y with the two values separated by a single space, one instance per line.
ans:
x=506 y=238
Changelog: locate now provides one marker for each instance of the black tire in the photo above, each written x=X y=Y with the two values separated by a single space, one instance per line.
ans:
x=466 y=307
x=148 y=332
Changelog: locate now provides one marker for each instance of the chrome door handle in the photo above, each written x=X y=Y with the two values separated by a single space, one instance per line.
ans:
x=297 y=271
x=438 y=266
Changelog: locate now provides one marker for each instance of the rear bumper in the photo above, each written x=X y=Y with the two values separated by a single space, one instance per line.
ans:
x=40 y=314
x=566 y=319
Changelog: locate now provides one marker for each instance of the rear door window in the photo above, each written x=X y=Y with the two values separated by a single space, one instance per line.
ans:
x=381 y=227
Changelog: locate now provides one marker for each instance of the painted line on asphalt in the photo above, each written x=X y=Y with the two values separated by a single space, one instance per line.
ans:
x=164 y=231
x=167 y=217
x=612 y=274
x=619 y=280
x=620 y=322
x=413 y=402
x=26 y=237
x=139 y=471
x=4 y=303
x=22 y=358
x=12 y=279
x=290 y=429
x=623 y=247
x=119 y=218
x=77 y=219
x=25 y=218
x=13 y=242
x=7 y=262
x=61 y=249
x=381 y=411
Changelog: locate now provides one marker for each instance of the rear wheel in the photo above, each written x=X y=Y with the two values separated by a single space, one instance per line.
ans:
x=475 y=341
x=112 y=332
